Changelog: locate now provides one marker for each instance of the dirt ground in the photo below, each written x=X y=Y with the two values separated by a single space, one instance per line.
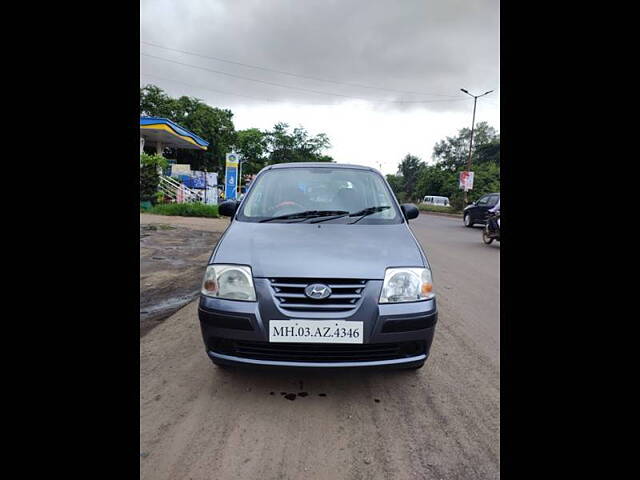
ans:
x=173 y=256
x=441 y=422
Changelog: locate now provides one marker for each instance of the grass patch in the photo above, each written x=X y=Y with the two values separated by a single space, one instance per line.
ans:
x=438 y=209
x=184 y=210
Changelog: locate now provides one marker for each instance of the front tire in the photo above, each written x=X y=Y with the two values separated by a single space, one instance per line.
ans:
x=486 y=238
x=467 y=221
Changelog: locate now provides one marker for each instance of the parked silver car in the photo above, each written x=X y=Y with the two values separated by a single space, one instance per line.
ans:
x=318 y=268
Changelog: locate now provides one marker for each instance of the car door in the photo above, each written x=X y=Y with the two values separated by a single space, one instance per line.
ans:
x=479 y=212
x=491 y=202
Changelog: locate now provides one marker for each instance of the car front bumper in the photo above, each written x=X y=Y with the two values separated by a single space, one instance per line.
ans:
x=394 y=335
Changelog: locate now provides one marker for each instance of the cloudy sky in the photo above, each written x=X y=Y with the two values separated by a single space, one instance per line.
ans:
x=381 y=78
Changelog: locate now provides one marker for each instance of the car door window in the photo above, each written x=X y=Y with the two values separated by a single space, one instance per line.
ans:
x=493 y=199
x=483 y=201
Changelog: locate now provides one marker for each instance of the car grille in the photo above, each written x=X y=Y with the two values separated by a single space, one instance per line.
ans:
x=345 y=294
x=313 y=352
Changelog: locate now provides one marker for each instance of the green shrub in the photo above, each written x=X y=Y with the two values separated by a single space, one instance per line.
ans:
x=185 y=210
x=437 y=208
x=149 y=175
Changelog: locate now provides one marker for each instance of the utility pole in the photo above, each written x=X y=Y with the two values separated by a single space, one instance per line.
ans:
x=473 y=121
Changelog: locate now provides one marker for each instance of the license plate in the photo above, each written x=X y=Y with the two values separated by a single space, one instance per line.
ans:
x=315 y=331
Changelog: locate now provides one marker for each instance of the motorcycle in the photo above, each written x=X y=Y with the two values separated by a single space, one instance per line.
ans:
x=491 y=230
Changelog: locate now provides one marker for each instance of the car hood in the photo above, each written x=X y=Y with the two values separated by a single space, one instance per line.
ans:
x=318 y=250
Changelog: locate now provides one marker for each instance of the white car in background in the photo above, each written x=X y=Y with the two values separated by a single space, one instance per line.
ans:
x=435 y=200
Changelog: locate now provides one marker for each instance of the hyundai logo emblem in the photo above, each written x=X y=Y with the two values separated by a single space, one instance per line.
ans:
x=317 y=291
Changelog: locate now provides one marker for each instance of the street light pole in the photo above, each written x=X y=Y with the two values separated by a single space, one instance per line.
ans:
x=473 y=121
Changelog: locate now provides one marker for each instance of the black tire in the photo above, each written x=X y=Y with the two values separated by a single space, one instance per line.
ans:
x=468 y=222
x=485 y=238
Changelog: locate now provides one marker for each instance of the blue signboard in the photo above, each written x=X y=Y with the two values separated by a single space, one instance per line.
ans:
x=231 y=180
x=198 y=179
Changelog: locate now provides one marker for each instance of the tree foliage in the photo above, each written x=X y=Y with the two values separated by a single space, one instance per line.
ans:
x=452 y=153
x=418 y=179
x=149 y=176
x=214 y=125
x=258 y=148
x=252 y=145
x=296 y=146
x=410 y=168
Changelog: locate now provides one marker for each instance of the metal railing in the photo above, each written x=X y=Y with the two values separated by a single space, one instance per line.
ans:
x=174 y=190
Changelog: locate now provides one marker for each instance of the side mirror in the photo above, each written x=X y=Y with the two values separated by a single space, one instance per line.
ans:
x=409 y=210
x=228 y=208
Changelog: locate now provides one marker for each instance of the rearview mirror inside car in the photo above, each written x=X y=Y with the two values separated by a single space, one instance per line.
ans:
x=409 y=210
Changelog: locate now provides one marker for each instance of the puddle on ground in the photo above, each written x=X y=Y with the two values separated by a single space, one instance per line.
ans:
x=163 y=309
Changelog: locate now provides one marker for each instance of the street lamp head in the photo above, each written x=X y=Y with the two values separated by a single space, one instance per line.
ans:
x=485 y=93
x=464 y=90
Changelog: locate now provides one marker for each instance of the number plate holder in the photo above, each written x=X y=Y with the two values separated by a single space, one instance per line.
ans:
x=315 y=331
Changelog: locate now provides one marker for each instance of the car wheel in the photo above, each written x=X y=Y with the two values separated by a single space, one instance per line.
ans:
x=486 y=238
x=467 y=221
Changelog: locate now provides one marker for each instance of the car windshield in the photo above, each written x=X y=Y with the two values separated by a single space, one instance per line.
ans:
x=302 y=194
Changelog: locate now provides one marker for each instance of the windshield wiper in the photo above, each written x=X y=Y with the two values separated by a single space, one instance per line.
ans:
x=361 y=214
x=367 y=211
x=307 y=214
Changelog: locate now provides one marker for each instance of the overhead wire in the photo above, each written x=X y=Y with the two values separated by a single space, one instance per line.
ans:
x=292 y=87
x=291 y=74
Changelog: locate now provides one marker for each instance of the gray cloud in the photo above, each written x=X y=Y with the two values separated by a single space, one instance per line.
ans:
x=433 y=47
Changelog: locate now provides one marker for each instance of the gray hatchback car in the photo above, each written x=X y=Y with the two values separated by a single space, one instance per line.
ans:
x=318 y=268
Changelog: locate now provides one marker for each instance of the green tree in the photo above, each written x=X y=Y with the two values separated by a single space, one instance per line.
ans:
x=487 y=152
x=296 y=146
x=252 y=145
x=453 y=152
x=396 y=182
x=410 y=168
x=214 y=125
x=433 y=180
x=154 y=102
x=451 y=156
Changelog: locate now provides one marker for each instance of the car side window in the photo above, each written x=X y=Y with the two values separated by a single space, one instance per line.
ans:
x=493 y=199
x=483 y=201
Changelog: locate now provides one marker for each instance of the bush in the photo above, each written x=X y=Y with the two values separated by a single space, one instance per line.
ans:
x=149 y=176
x=185 y=210
x=437 y=208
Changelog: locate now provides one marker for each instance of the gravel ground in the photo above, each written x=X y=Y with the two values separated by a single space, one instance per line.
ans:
x=441 y=422
x=173 y=256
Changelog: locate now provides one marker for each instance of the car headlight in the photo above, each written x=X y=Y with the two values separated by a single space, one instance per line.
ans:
x=406 y=285
x=232 y=282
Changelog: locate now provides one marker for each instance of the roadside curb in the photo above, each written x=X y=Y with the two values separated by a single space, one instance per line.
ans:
x=450 y=215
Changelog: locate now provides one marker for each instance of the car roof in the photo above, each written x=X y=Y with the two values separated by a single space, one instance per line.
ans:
x=317 y=164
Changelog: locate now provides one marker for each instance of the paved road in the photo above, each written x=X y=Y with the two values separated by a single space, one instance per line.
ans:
x=441 y=422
